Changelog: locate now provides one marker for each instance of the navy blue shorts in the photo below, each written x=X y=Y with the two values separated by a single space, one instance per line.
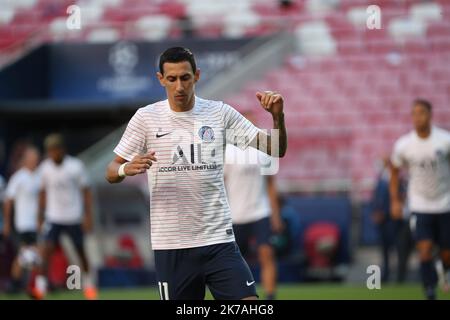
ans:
x=258 y=232
x=182 y=274
x=28 y=238
x=434 y=227
x=53 y=231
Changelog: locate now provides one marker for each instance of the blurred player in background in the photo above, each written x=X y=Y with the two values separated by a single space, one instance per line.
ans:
x=425 y=152
x=394 y=233
x=66 y=200
x=255 y=212
x=382 y=217
x=22 y=194
x=180 y=141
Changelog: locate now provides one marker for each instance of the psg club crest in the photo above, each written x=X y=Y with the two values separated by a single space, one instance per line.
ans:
x=206 y=134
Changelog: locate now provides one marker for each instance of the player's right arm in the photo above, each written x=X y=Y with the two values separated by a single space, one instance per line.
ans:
x=378 y=216
x=7 y=210
x=10 y=195
x=139 y=164
x=397 y=161
x=275 y=218
x=41 y=208
x=273 y=103
x=394 y=191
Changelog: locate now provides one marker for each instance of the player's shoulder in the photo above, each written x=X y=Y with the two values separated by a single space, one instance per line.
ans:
x=45 y=168
x=37 y=173
x=73 y=161
x=405 y=139
x=16 y=176
x=210 y=105
x=441 y=133
x=45 y=164
x=19 y=172
x=152 y=108
x=150 y=113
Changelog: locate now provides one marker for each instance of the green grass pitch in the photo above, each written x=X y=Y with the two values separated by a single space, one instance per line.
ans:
x=320 y=291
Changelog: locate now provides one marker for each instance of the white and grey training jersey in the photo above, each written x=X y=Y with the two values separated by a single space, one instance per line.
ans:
x=246 y=185
x=23 y=189
x=188 y=202
x=428 y=163
x=64 y=184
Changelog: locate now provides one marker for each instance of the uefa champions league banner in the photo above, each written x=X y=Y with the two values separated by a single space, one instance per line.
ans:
x=122 y=71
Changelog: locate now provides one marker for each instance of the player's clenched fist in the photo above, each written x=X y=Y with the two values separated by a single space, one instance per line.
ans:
x=140 y=163
x=271 y=101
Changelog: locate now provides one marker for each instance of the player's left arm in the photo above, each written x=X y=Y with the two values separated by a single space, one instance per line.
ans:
x=394 y=192
x=42 y=202
x=7 y=214
x=85 y=187
x=275 y=218
x=273 y=103
x=88 y=205
x=8 y=205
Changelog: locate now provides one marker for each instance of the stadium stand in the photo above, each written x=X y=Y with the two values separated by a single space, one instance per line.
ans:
x=364 y=77
x=348 y=89
x=356 y=85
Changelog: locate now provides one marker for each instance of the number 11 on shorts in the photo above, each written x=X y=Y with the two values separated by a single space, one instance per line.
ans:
x=163 y=290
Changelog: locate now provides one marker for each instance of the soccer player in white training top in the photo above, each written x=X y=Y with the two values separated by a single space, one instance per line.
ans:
x=425 y=152
x=22 y=196
x=180 y=143
x=66 y=205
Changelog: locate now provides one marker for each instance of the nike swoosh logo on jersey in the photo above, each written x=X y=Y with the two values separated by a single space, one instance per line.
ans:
x=162 y=135
x=250 y=283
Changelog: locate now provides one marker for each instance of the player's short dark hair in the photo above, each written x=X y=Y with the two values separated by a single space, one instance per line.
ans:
x=177 y=54
x=424 y=103
x=54 y=140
